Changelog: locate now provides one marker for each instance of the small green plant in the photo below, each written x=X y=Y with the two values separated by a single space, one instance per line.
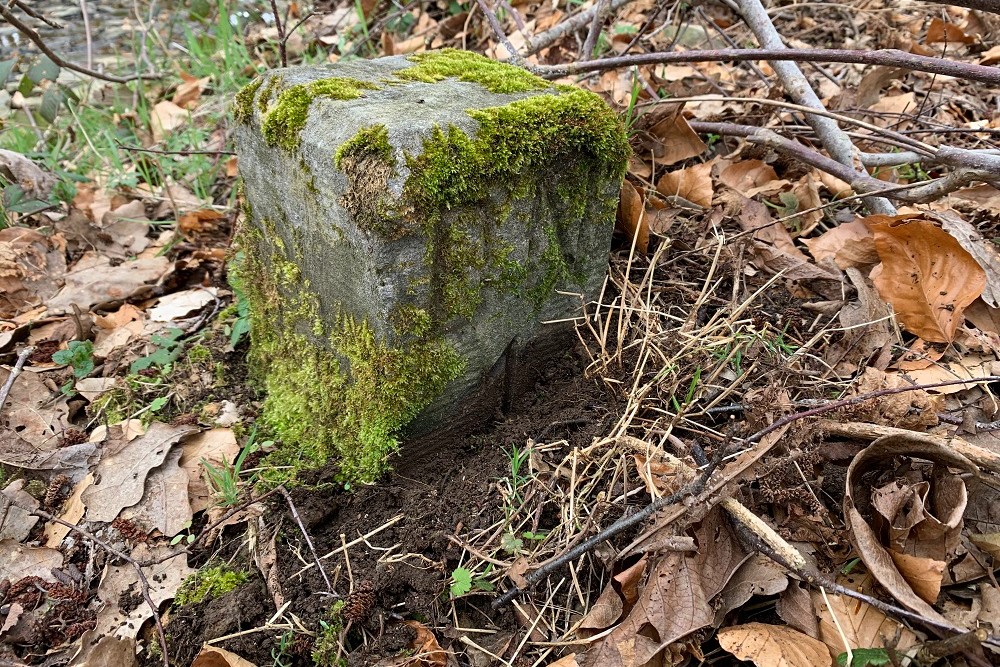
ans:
x=865 y=657
x=80 y=356
x=511 y=543
x=185 y=536
x=168 y=347
x=327 y=649
x=280 y=652
x=461 y=582
x=241 y=326
x=225 y=480
x=631 y=116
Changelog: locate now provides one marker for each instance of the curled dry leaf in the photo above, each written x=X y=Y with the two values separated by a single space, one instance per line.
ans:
x=631 y=217
x=849 y=245
x=925 y=274
x=773 y=646
x=746 y=176
x=877 y=554
x=666 y=135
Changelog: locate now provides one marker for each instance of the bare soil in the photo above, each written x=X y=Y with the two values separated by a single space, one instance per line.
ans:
x=440 y=494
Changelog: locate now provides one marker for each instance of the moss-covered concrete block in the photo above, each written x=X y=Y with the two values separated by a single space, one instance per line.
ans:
x=409 y=222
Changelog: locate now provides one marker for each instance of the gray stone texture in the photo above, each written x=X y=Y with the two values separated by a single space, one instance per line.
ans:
x=371 y=273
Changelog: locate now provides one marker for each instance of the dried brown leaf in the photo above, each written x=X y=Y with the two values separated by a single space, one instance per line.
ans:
x=631 y=217
x=693 y=184
x=925 y=274
x=773 y=646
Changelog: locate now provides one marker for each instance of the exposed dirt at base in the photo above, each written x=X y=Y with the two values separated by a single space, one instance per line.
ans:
x=438 y=496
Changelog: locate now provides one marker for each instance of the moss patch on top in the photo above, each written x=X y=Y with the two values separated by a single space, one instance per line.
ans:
x=495 y=77
x=243 y=104
x=282 y=125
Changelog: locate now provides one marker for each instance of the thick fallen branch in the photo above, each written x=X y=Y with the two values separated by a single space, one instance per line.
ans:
x=834 y=139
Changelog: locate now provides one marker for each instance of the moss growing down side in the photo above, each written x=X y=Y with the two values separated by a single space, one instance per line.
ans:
x=332 y=390
x=373 y=141
x=283 y=124
x=243 y=104
x=571 y=134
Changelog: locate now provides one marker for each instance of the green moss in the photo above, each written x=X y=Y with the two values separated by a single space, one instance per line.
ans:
x=243 y=104
x=327 y=649
x=209 y=583
x=283 y=123
x=350 y=403
x=369 y=141
x=435 y=66
x=572 y=135
x=368 y=162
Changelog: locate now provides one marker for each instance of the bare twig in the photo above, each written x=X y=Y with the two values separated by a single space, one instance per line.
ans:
x=305 y=534
x=140 y=149
x=887 y=57
x=281 y=34
x=595 y=30
x=143 y=581
x=87 y=35
x=35 y=38
x=33 y=13
x=568 y=26
x=22 y=357
x=491 y=17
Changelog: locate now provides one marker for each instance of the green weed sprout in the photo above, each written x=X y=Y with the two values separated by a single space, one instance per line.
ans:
x=225 y=480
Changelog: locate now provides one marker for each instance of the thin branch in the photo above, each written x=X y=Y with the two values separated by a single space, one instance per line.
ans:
x=491 y=17
x=305 y=534
x=281 y=34
x=22 y=357
x=143 y=581
x=35 y=38
x=35 y=14
x=886 y=57
x=862 y=182
x=140 y=149
x=590 y=43
x=572 y=24
x=87 y=35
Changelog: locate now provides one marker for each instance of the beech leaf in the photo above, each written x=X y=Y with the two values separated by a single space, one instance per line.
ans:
x=926 y=275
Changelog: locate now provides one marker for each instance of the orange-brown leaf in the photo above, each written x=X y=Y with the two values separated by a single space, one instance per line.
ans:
x=631 y=217
x=773 y=646
x=927 y=277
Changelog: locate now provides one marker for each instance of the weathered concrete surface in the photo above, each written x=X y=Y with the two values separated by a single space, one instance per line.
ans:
x=428 y=222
